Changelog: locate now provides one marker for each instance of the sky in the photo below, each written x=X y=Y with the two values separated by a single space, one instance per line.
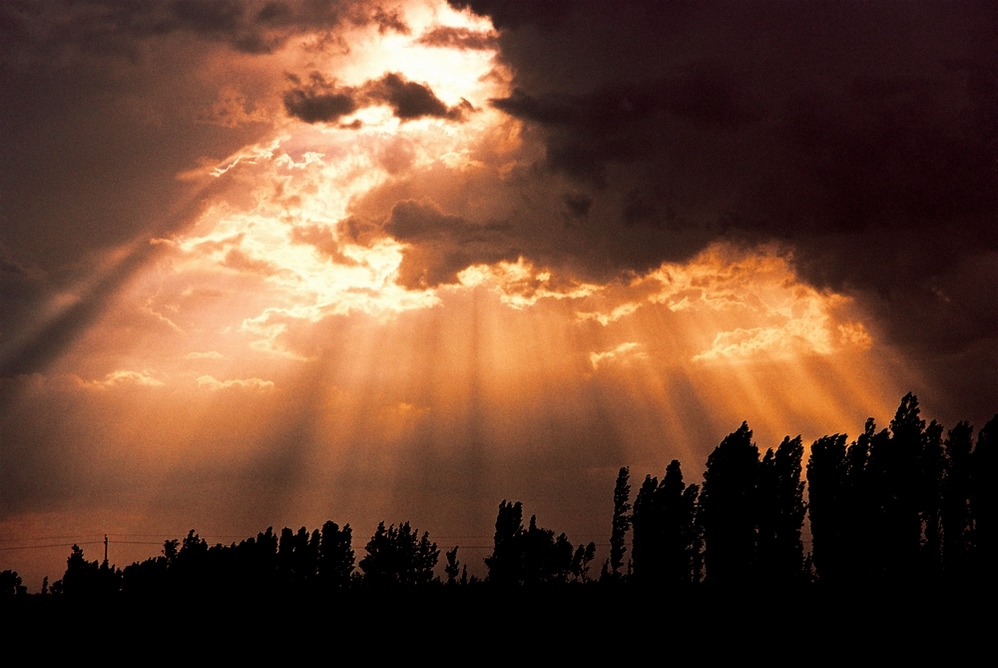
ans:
x=275 y=263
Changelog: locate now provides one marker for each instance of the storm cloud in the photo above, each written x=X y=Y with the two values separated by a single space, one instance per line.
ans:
x=441 y=245
x=858 y=135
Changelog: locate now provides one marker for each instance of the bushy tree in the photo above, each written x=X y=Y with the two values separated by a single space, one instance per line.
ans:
x=532 y=556
x=88 y=579
x=336 y=556
x=10 y=585
x=399 y=556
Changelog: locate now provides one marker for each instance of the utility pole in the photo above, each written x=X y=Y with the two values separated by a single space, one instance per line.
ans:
x=105 y=549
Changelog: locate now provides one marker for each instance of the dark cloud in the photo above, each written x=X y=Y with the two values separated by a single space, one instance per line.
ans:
x=411 y=100
x=251 y=26
x=578 y=204
x=453 y=37
x=516 y=13
x=408 y=99
x=862 y=137
x=441 y=245
x=318 y=100
x=619 y=124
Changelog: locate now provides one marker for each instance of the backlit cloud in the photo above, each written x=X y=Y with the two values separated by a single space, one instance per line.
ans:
x=212 y=383
x=124 y=378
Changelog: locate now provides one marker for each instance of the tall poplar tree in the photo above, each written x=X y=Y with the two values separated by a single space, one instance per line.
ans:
x=621 y=520
x=781 y=509
x=728 y=509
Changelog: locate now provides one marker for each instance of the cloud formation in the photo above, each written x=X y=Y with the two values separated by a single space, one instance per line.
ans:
x=321 y=101
x=861 y=135
x=318 y=100
x=440 y=245
x=249 y=26
x=454 y=37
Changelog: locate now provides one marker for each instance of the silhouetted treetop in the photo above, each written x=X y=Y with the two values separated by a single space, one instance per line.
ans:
x=728 y=506
x=399 y=556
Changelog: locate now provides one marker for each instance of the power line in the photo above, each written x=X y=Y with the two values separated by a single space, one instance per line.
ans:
x=7 y=540
x=32 y=547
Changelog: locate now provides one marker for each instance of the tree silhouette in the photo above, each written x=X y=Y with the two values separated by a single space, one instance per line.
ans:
x=504 y=562
x=728 y=506
x=530 y=557
x=828 y=507
x=780 y=506
x=894 y=463
x=151 y=577
x=399 y=556
x=665 y=530
x=298 y=558
x=88 y=579
x=580 y=561
x=621 y=521
x=10 y=585
x=931 y=472
x=956 y=497
x=984 y=490
x=544 y=558
x=861 y=532
x=453 y=567
x=336 y=557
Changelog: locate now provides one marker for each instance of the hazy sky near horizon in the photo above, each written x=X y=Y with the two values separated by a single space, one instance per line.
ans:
x=272 y=263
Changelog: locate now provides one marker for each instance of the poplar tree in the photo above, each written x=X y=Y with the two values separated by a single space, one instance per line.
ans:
x=621 y=521
x=728 y=506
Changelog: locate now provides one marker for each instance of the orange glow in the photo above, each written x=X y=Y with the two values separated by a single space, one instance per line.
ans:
x=271 y=344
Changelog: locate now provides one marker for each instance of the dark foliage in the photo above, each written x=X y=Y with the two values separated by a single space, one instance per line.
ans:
x=532 y=556
x=729 y=506
x=621 y=521
x=399 y=556
x=666 y=534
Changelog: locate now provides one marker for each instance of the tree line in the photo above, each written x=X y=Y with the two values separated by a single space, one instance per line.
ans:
x=905 y=504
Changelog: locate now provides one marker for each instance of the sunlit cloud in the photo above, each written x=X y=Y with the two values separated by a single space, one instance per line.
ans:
x=121 y=378
x=207 y=355
x=620 y=354
x=520 y=284
x=212 y=383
